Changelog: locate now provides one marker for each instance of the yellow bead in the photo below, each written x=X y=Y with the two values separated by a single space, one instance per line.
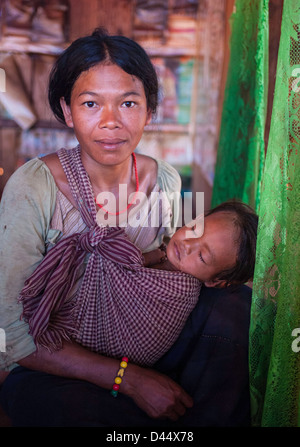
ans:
x=123 y=365
x=118 y=380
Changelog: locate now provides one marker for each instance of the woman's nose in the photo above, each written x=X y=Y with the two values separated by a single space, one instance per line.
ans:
x=109 y=118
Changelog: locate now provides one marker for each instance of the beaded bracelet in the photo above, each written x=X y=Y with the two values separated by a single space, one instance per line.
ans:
x=119 y=376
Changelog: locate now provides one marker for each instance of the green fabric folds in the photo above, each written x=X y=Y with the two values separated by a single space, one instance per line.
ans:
x=275 y=320
x=241 y=150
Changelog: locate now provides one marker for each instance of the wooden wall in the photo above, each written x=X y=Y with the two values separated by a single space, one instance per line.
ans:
x=85 y=16
x=9 y=139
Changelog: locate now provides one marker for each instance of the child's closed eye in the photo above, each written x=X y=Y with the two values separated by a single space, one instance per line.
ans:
x=201 y=257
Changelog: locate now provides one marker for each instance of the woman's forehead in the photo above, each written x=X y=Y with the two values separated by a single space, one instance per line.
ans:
x=108 y=76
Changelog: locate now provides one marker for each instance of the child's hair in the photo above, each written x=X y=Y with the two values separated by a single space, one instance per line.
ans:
x=86 y=52
x=246 y=222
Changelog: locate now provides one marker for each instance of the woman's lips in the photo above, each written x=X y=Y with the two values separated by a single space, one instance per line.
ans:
x=110 y=143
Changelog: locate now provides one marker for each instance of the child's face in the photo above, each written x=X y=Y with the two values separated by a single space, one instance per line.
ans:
x=204 y=256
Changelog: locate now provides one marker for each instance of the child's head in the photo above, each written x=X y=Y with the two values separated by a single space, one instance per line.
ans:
x=222 y=254
x=100 y=48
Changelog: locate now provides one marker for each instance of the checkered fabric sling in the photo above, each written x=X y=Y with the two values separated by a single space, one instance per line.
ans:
x=121 y=307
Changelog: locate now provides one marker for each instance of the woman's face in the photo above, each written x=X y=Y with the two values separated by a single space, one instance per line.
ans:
x=206 y=253
x=108 y=111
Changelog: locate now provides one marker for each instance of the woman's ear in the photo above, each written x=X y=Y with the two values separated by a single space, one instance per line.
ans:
x=67 y=112
x=149 y=117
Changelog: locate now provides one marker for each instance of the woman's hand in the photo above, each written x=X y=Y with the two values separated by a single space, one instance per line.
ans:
x=158 y=395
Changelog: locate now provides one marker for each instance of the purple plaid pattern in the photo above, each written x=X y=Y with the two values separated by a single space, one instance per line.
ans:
x=121 y=307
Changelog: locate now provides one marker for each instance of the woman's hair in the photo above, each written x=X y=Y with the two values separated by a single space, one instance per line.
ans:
x=246 y=222
x=89 y=51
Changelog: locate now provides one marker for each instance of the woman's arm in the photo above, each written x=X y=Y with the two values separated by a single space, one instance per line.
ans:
x=156 y=394
x=26 y=207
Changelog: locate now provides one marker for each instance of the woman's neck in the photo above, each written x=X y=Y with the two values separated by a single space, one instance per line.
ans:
x=108 y=178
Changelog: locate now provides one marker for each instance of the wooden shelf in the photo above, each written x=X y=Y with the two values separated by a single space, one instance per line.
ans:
x=23 y=45
x=167 y=51
x=168 y=127
x=40 y=124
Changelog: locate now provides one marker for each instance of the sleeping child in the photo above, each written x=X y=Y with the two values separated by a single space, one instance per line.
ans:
x=220 y=253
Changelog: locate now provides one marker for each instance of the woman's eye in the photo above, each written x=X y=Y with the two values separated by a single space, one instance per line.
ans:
x=89 y=104
x=128 y=104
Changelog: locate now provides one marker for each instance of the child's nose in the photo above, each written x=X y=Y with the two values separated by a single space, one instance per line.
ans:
x=189 y=246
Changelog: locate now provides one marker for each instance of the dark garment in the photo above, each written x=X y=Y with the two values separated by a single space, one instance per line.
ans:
x=209 y=360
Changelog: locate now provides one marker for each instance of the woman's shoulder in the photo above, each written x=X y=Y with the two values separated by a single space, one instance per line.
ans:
x=54 y=165
x=33 y=175
x=167 y=177
x=30 y=187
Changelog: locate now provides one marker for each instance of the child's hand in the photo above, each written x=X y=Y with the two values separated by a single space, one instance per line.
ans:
x=155 y=257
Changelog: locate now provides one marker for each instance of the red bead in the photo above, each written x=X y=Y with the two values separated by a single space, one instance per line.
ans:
x=125 y=359
x=116 y=387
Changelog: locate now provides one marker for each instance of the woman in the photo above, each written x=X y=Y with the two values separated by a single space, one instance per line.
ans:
x=105 y=88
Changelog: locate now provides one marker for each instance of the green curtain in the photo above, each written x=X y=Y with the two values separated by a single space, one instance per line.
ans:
x=241 y=150
x=275 y=320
